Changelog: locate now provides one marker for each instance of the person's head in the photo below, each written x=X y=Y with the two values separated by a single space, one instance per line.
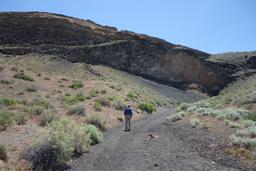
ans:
x=129 y=106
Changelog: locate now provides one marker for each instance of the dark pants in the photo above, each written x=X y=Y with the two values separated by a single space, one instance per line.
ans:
x=128 y=121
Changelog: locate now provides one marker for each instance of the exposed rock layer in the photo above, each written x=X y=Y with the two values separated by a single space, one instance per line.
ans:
x=85 y=41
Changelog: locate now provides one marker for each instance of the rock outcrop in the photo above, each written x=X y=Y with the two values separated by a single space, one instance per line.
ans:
x=85 y=41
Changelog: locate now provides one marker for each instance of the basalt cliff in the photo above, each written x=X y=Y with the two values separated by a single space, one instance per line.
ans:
x=85 y=41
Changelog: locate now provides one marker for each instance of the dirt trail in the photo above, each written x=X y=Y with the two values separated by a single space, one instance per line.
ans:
x=155 y=144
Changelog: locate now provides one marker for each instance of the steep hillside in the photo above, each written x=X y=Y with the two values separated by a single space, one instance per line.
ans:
x=37 y=90
x=85 y=41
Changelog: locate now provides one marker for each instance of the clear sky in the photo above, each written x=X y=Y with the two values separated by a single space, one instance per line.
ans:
x=213 y=26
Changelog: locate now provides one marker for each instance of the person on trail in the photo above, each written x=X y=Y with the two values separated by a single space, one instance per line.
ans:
x=128 y=115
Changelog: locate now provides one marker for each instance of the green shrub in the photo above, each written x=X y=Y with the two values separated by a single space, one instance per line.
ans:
x=31 y=88
x=132 y=96
x=97 y=106
x=176 y=117
x=78 y=110
x=76 y=85
x=56 y=144
x=3 y=153
x=97 y=120
x=21 y=118
x=7 y=102
x=6 y=119
x=94 y=93
x=23 y=76
x=67 y=94
x=95 y=135
x=148 y=107
x=74 y=98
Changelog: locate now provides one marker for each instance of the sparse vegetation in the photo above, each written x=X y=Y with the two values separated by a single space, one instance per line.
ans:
x=97 y=120
x=21 y=118
x=47 y=118
x=119 y=105
x=6 y=82
x=76 y=85
x=23 y=76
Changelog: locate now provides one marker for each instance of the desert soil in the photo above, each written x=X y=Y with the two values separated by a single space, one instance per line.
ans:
x=157 y=144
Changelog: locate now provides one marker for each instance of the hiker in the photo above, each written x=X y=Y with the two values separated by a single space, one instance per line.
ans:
x=128 y=115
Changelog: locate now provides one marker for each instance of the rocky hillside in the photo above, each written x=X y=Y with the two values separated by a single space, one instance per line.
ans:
x=85 y=41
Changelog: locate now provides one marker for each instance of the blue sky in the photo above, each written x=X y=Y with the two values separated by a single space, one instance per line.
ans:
x=213 y=26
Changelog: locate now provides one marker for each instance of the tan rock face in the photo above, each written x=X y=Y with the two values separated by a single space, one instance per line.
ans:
x=85 y=41
x=181 y=66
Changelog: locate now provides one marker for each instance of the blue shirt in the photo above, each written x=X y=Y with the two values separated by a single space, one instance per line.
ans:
x=128 y=111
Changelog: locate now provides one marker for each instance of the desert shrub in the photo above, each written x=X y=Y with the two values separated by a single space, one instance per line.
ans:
x=76 y=85
x=31 y=88
x=119 y=105
x=67 y=94
x=6 y=119
x=6 y=82
x=251 y=116
x=7 y=102
x=97 y=106
x=1 y=68
x=176 y=117
x=94 y=93
x=47 y=118
x=232 y=124
x=78 y=110
x=103 y=101
x=194 y=122
x=132 y=96
x=248 y=123
x=111 y=98
x=120 y=118
x=103 y=91
x=95 y=135
x=23 y=76
x=37 y=110
x=3 y=153
x=21 y=118
x=56 y=144
x=182 y=107
x=97 y=120
x=147 y=107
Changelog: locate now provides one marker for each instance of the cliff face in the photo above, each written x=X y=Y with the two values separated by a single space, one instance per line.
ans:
x=85 y=41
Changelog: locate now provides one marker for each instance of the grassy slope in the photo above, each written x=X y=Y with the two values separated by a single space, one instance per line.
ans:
x=232 y=114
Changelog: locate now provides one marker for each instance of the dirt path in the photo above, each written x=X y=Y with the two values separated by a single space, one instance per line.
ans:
x=155 y=144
